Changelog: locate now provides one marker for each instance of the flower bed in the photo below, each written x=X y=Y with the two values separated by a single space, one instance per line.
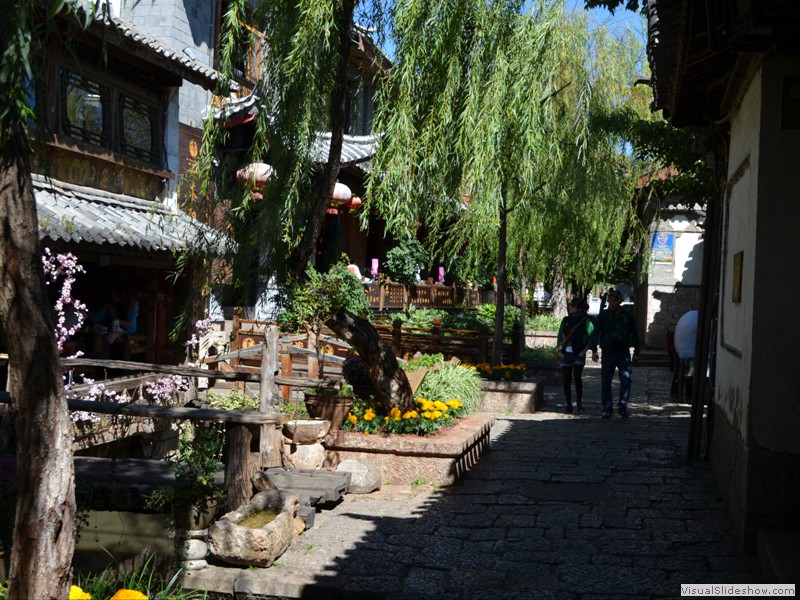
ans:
x=440 y=457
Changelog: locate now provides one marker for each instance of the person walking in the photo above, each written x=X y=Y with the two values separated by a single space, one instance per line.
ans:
x=573 y=342
x=615 y=331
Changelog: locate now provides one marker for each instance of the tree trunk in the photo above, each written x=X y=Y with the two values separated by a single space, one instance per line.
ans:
x=44 y=525
x=338 y=107
x=497 y=341
x=558 y=301
x=523 y=300
x=390 y=381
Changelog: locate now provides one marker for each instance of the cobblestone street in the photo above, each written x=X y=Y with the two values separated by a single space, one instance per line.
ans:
x=562 y=507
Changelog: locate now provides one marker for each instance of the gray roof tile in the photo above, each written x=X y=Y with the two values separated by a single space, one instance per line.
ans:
x=73 y=213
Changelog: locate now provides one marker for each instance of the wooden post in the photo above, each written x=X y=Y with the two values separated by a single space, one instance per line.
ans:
x=313 y=363
x=286 y=371
x=381 y=296
x=483 y=344
x=397 y=337
x=436 y=334
x=516 y=351
x=240 y=467
x=270 y=435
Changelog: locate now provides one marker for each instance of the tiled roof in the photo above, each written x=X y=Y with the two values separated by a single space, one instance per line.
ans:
x=356 y=149
x=125 y=35
x=73 y=213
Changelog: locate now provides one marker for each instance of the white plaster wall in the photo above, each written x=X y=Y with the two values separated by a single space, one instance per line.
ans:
x=688 y=258
x=185 y=25
x=734 y=346
x=774 y=418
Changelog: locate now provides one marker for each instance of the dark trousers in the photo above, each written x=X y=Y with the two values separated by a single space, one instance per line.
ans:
x=613 y=361
x=569 y=374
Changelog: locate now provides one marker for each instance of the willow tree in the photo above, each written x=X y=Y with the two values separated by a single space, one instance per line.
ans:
x=486 y=124
x=595 y=229
x=44 y=520
x=302 y=91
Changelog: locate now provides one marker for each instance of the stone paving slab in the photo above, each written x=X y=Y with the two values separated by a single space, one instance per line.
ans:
x=568 y=507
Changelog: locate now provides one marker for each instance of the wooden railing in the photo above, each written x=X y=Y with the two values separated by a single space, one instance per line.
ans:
x=241 y=427
x=396 y=296
x=298 y=355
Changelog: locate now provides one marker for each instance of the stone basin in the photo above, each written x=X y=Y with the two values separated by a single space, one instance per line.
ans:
x=239 y=545
x=306 y=431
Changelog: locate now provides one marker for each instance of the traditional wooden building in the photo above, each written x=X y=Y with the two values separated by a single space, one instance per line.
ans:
x=730 y=70
x=107 y=166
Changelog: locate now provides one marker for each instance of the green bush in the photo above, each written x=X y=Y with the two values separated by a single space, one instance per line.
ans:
x=543 y=354
x=488 y=312
x=543 y=322
x=404 y=261
x=232 y=400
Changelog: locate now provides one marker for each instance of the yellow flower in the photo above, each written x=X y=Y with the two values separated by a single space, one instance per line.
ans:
x=427 y=415
x=369 y=415
x=437 y=414
x=352 y=418
x=454 y=403
x=128 y=595
x=394 y=413
x=76 y=593
x=410 y=414
x=439 y=405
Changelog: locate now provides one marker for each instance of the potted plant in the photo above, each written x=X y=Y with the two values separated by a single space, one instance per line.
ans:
x=330 y=402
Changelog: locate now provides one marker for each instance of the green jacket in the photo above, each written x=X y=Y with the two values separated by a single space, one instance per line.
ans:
x=615 y=332
x=581 y=327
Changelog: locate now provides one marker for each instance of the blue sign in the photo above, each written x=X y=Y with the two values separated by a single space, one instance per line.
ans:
x=663 y=248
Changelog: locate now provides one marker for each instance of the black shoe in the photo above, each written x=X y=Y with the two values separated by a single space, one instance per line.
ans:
x=607 y=414
x=568 y=410
x=623 y=412
x=580 y=407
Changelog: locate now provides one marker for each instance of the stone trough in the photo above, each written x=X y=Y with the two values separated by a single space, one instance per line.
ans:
x=261 y=546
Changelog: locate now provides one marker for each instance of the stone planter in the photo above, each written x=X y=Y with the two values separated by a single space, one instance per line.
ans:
x=306 y=431
x=331 y=408
x=440 y=458
x=239 y=545
x=516 y=397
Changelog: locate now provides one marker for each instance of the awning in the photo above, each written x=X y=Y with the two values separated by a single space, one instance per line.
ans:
x=73 y=213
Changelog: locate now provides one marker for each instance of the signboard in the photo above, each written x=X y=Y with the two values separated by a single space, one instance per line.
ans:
x=663 y=248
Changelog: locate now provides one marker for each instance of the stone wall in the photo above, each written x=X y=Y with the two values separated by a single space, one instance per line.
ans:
x=439 y=458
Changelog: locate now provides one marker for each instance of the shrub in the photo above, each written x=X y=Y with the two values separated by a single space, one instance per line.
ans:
x=543 y=322
x=488 y=312
x=542 y=354
x=232 y=400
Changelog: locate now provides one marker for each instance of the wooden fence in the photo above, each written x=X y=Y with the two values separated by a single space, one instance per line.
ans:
x=297 y=353
x=241 y=427
x=396 y=296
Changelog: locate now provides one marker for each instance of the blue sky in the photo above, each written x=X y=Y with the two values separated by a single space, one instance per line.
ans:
x=618 y=23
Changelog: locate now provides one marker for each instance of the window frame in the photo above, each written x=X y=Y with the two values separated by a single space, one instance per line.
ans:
x=117 y=96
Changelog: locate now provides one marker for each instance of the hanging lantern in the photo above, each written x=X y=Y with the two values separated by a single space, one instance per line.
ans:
x=341 y=194
x=255 y=175
x=353 y=203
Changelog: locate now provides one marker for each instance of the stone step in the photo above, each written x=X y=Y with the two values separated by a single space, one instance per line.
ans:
x=312 y=486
